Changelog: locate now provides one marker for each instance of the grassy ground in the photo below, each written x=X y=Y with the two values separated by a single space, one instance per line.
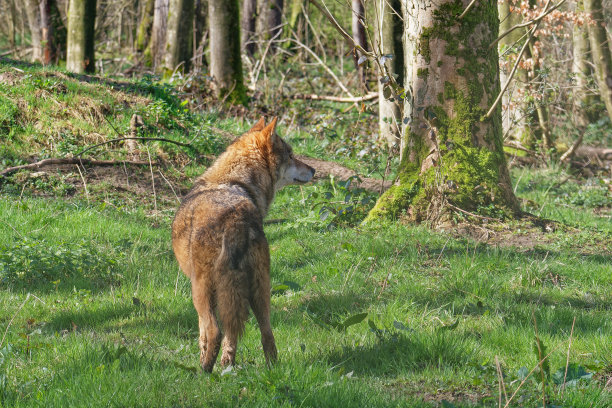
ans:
x=94 y=312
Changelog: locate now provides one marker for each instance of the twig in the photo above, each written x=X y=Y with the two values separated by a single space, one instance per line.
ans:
x=67 y=160
x=13 y=228
x=572 y=150
x=567 y=359
x=529 y=374
x=472 y=214
x=368 y=97
x=331 y=73
x=518 y=60
x=469 y=6
x=160 y=139
x=13 y=318
x=518 y=146
x=542 y=373
x=170 y=185
x=530 y=22
x=152 y=179
x=84 y=182
x=502 y=385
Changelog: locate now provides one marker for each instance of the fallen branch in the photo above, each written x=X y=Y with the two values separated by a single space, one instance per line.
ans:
x=370 y=96
x=518 y=146
x=69 y=160
x=160 y=139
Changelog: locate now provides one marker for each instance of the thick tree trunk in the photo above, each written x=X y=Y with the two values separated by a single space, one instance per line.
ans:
x=179 y=38
x=452 y=156
x=359 y=36
x=600 y=49
x=155 y=51
x=33 y=14
x=225 y=62
x=144 y=28
x=81 y=22
x=249 y=18
x=388 y=40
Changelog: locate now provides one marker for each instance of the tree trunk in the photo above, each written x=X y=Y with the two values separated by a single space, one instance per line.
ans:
x=155 y=52
x=225 y=62
x=584 y=100
x=48 y=31
x=179 y=38
x=452 y=156
x=274 y=20
x=388 y=40
x=32 y=12
x=513 y=119
x=249 y=18
x=359 y=37
x=146 y=23
x=600 y=49
x=81 y=22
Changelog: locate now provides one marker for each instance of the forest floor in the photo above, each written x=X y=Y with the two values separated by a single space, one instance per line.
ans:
x=92 y=302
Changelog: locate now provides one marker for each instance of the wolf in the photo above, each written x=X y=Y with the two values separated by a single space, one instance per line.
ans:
x=219 y=242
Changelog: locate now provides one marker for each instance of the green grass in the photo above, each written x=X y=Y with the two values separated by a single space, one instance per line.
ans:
x=439 y=311
x=94 y=311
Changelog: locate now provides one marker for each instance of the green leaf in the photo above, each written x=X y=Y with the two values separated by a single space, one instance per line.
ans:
x=355 y=319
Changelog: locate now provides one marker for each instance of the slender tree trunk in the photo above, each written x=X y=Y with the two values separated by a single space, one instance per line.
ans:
x=146 y=23
x=514 y=116
x=600 y=49
x=225 y=62
x=81 y=22
x=274 y=20
x=180 y=35
x=47 y=28
x=453 y=156
x=32 y=12
x=249 y=18
x=359 y=36
x=155 y=52
x=388 y=40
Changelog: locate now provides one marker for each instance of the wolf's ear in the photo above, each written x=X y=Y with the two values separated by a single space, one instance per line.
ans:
x=258 y=127
x=269 y=129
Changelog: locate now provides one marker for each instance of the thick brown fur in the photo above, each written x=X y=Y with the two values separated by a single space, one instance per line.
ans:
x=219 y=241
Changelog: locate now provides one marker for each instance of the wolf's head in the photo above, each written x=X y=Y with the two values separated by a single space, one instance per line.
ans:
x=284 y=167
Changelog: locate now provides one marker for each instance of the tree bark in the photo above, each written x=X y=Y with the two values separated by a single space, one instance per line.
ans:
x=48 y=31
x=155 y=51
x=81 y=21
x=225 y=62
x=274 y=20
x=179 y=38
x=32 y=12
x=388 y=39
x=600 y=49
x=144 y=28
x=359 y=36
x=452 y=156
x=249 y=18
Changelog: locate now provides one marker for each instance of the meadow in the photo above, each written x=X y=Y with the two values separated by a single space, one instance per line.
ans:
x=94 y=310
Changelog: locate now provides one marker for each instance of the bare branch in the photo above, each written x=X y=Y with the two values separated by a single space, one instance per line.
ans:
x=368 y=97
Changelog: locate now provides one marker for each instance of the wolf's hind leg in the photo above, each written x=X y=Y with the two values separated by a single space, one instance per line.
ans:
x=210 y=336
x=233 y=311
x=260 y=300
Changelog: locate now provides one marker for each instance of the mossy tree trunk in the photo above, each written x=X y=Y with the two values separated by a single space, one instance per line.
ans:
x=600 y=49
x=249 y=18
x=81 y=23
x=179 y=38
x=144 y=28
x=388 y=39
x=584 y=100
x=225 y=62
x=452 y=155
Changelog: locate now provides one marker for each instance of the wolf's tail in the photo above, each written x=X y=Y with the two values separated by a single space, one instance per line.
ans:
x=233 y=279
